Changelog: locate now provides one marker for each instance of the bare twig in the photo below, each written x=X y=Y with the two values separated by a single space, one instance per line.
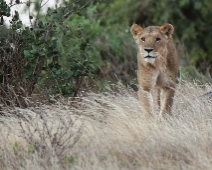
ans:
x=44 y=4
x=82 y=7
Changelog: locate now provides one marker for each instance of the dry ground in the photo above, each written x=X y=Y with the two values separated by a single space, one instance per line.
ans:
x=108 y=131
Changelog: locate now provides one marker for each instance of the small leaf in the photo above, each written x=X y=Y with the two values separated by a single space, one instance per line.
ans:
x=31 y=149
x=16 y=145
x=34 y=51
x=26 y=53
x=68 y=74
x=2 y=21
x=58 y=72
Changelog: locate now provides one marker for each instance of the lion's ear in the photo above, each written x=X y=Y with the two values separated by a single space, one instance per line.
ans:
x=135 y=30
x=167 y=29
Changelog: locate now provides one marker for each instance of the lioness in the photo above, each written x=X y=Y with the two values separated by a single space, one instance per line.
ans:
x=157 y=66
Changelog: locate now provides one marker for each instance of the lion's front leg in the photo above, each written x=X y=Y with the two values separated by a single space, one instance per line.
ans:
x=147 y=81
x=146 y=101
x=158 y=95
x=167 y=102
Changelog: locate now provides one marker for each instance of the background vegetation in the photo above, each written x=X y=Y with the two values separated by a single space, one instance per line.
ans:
x=85 y=44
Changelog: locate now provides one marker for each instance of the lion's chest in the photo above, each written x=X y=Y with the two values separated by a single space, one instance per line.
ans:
x=164 y=79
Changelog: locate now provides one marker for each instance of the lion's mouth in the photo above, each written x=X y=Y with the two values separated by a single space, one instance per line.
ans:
x=150 y=56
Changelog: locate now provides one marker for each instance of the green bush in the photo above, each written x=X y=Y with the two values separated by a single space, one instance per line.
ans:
x=53 y=50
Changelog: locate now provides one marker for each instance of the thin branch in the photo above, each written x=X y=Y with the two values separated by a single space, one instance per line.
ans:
x=39 y=9
x=11 y=4
x=17 y=4
x=85 y=5
x=29 y=13
x=44 y=4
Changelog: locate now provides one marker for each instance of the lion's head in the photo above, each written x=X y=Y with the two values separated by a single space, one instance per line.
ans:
x=152 y=41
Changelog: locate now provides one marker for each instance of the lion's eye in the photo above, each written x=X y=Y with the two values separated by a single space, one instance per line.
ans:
x=142 y=39
x=157 y=39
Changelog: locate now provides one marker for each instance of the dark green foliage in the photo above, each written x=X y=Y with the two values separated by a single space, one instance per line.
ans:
x=5 y=9
x=42 y=53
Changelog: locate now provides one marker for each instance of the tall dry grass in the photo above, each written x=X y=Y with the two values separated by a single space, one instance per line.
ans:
x=109 y=131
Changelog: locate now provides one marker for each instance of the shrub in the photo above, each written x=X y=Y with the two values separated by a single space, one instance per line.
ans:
x=33 y=54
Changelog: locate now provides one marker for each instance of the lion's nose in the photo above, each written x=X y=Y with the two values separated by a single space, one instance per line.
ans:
x=148 y=49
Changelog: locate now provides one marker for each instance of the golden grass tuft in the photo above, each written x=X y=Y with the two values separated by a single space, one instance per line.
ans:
x=109 y=131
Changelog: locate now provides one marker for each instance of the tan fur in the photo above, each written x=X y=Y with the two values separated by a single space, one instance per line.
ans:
x=157 y=66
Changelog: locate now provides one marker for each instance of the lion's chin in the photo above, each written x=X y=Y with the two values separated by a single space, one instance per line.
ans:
x=150 y=56
x=149 y=60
